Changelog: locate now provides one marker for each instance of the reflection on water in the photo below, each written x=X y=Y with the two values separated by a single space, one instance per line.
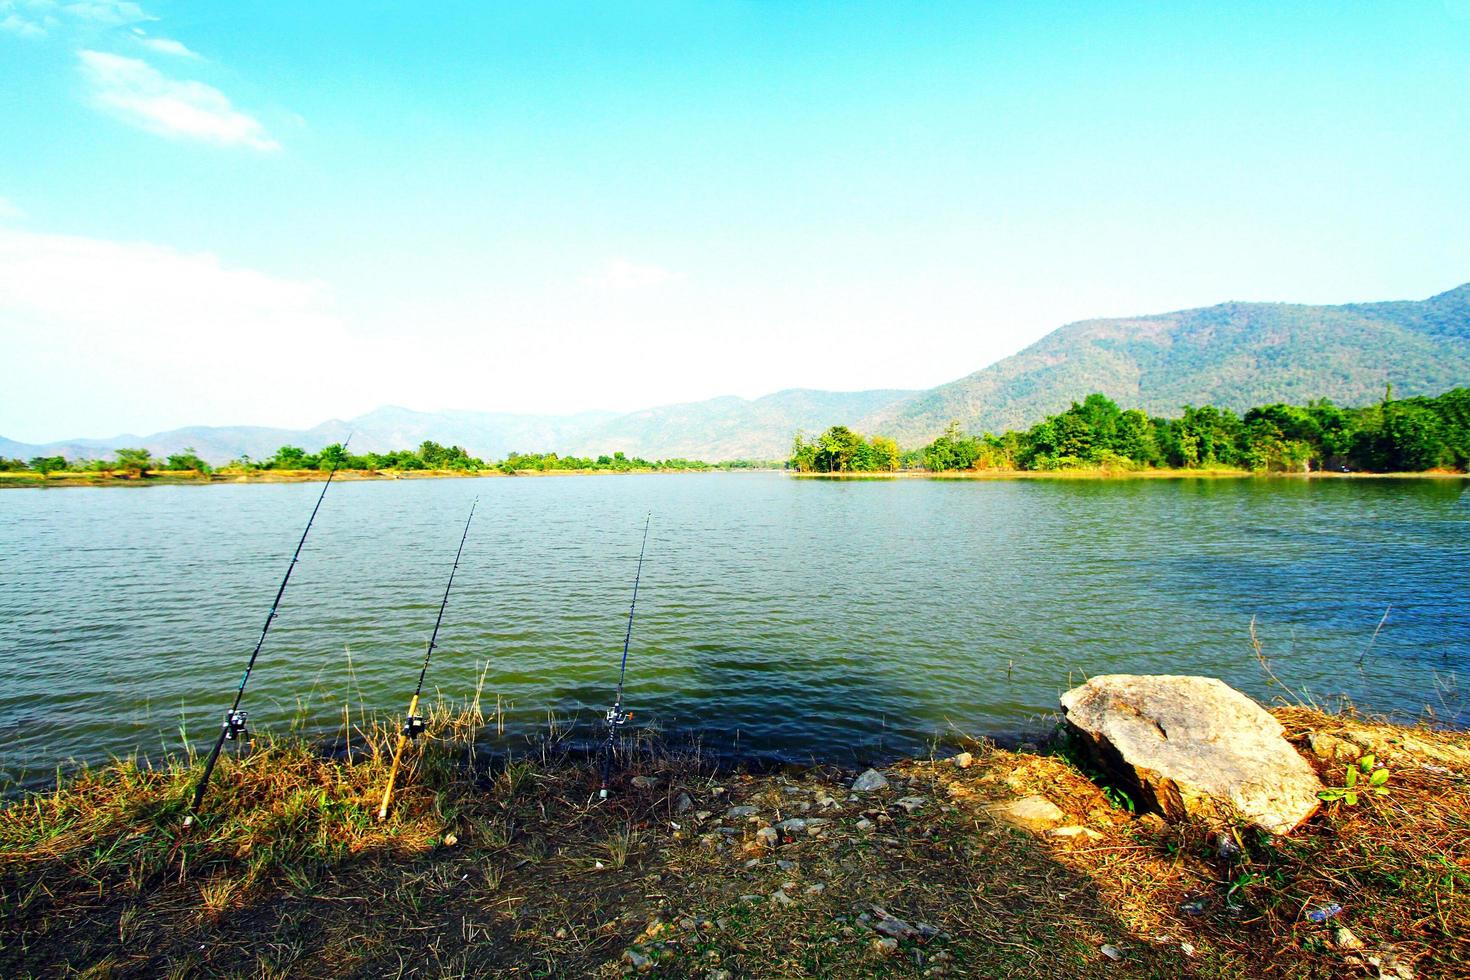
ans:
x=799 y=618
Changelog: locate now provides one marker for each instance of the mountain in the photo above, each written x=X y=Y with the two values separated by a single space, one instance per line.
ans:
x=1236 y=355
x=716 y=429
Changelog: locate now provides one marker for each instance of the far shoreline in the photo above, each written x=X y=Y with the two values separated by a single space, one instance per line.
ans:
x=27 y=480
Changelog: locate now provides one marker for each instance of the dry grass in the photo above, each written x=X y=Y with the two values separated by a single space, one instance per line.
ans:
x=519 y=871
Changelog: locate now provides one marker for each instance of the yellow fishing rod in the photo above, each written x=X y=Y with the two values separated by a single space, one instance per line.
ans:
x=413 y=724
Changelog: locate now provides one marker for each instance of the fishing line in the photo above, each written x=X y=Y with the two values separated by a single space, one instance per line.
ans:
x=413 y=723
x=233 y=727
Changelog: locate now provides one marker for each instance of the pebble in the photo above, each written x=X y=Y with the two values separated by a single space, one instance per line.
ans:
x=886 y=946
x=739 y=812
x=785 y=865
x=683 y=804
x=795 y=825
x=767 y=836
x=637 y=960
x=912 y=803
x=865 y=825
x=963 y=761
x=816 y=889
x=870 y=782
x=780 y=897
x=1111 y=952
x=644 y=782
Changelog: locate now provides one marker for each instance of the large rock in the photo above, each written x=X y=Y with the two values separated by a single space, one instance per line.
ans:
x=1193 y=746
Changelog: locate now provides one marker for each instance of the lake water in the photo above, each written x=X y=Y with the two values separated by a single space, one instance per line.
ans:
x=779 y=617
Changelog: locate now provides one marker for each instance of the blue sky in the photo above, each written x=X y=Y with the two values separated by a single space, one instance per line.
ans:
x=274 y=213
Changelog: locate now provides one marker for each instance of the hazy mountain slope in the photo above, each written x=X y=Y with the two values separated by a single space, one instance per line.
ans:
x=720 y=428
x=733 y=428
x=1235 y=355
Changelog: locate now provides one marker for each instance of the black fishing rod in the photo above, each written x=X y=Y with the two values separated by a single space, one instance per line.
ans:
x=616 y=716
x=233 y=727
x=413 y=724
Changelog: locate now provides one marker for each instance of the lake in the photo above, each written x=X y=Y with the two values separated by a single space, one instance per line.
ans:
x=781 y=618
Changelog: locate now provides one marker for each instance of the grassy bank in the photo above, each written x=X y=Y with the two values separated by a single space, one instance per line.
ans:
x=1104 y=473
x=194 y=478
x=519 y=871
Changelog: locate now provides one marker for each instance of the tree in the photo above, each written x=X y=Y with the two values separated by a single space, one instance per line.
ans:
x=134 y=462
x=48 y=464
x=187 y=460
x=288 y=458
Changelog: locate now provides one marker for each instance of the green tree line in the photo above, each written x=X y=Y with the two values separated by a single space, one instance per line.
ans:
x=429 y=456
x=841 y=450
x=1395 y=435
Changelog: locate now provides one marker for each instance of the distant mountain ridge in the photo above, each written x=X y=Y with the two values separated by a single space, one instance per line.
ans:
x=1235 y=355
x=717 y=429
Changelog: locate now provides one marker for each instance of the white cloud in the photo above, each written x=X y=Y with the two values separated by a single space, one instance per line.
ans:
x=167 y=45
x=152 y=334
x=140 y=95
x=110 y=12
x=625 y=275
x=27 y=18
x=8 y=209
x=16 y=24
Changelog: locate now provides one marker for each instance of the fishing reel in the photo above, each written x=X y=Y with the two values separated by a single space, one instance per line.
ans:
x=413 y=726
x=234 y=725
x=617 y=718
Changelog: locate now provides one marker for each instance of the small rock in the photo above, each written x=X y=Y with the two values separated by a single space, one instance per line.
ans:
x=785 y=865
x=637 y=960
x=688 y=924
x=870 y=782
x=1343 y=938
x=890 y=925
x=752 y=863
x=1389 y=966
x=912 y=803
x=703 y=815
x=886 y=946
x=767 y=836
x=814 y=825
x=1111 y=952
x=644 y=782
x=1031 y=813
x=1194 y=906
x=823 y=800
x=816 y=889
x=740 y=812
x=865 y=825
x=683 y=803
x=963 y=761
x=1332 y=748
x=779 y=897
x=793 y=826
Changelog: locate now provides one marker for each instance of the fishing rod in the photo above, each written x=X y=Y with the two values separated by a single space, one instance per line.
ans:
x=233 y=727
x=616 y=716
x=413 y=724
